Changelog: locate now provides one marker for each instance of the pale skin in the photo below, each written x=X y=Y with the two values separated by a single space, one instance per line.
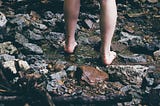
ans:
x=108 y=18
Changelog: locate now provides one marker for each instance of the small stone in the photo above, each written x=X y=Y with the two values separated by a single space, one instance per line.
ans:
x=59 y=67
x=157 y=55
x=39 y=26
x=32 y=48
x=8 y=48
x=3 y=20
x=152 y=1
x=6 y=57
x=89 y=23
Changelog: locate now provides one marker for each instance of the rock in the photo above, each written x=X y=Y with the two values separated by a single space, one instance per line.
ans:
x=6 y=57
x=58 y=75
x=127 y=74
x=133 y=58
x=32 y=48
x=48 y=15
x=94 y=40
x=71 y=71
x=153 y=96
x=59 y=67
x=152 y=1
x=146 y=45
x=39 y=25
x=33 y=36
x=91 y=75
x=56 y=39
x=21 y=20
x=127 y=37
x=88 y=23
x=20 y=39
x=157 y=55
x=3 y=20
x=11 y=65
x=8 y=48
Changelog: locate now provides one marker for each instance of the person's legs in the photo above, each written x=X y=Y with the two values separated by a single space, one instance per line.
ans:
x=108 y=17
x=71 y=13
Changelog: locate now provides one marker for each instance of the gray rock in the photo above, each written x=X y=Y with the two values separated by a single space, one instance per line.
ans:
x=7 y=48
x=32 y=48
x=21 y=20
x=133 y=58
x=39 y=25
x=56 y=39
x=6 y=57
x=157 y=55
x=59 y=75
x=20 y=39
x=127 y=37
x=48 y=15
x=23 y=66
x=127 y=74
x=33 y=36
x=3 y=20
x=88 y=23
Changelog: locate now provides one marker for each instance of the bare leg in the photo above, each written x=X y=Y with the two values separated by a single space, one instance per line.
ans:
x=108 y=17
x=71 y=13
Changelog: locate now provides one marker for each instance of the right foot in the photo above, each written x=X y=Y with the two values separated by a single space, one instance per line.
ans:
x=107 y=59
x=69 y=48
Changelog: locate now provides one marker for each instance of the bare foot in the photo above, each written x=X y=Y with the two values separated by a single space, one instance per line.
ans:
x=108 y=58
x=69 y=48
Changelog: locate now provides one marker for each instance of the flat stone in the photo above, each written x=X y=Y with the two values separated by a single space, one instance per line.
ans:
x=8 y=48
x=127 y=74
x=32 y=48
x=157 y=55
x=92 y=75
x=3 y=20
x=6 y=57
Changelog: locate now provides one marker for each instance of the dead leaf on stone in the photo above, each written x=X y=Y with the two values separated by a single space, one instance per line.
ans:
x=92 y=75
x=34 y=15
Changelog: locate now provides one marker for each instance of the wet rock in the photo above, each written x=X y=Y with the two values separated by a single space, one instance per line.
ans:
x=51 y=22
x=16 y=65
x=48 y=15
x=59 y=75
x=83 y=38
x=56 y=39
x=94 y=40
x=88 y=23
x=152 y=1
x=135 y=92
x=34 y=36
x=71 y=71
x=91 y=75
x=129 y=27
x=3 y=20
x=32 y=48
x=22 y=20
x=127 y=74
x=135 y=58
x=37 y=63
x=157 y=55
x=7 y=48
x=127 y=37
x=154 y=96
x=59 y=67
x=6 y=57
x=39 y=26
x=147 y=45
x=20 y=39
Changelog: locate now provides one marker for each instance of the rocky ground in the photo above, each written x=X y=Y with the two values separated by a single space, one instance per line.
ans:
x=34 y=69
